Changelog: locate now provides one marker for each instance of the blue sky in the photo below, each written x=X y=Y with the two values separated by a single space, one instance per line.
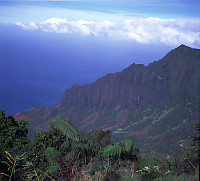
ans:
x=47 y=46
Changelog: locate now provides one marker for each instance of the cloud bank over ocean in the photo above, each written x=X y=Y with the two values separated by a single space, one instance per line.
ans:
x=150 y=30
x=168 y=22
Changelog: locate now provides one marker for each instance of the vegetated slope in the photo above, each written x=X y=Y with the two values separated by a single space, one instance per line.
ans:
x=157 y=105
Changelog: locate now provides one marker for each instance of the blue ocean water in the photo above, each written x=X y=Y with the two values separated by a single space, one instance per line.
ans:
x=36 y=67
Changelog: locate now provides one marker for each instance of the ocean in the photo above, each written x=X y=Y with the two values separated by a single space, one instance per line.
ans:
x=36 y=67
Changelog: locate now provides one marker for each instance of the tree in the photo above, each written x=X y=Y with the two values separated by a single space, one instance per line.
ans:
x=43 y=140
x=13 y=134
x=13 y=145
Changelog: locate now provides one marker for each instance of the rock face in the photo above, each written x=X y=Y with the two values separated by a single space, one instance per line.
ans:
x=157 y=105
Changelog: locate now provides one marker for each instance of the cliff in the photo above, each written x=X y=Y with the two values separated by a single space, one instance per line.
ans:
x=157 y=105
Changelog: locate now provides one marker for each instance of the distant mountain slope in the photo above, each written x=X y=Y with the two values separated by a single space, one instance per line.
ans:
x=157 y=105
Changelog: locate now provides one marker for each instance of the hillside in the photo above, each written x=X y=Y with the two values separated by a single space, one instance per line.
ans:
x=157 y=105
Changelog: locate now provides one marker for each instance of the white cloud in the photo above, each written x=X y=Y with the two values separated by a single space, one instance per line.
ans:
x=30 y=26
x=149 y=30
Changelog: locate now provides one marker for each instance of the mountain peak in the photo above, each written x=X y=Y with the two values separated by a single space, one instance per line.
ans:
x=183 y=46
x=181 y=52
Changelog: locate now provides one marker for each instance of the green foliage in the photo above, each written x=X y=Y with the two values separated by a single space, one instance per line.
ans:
x=51 y=155
x=14 y=142
x=66 y=138
x=101 y=137
x=171 y=163
x=112 y=151
x=78 y=145
x=149 y=163
x=197 y=126
x=66 y=128
x=124 y=147
x=13 y=165
x=196 y=139
x=13 y=134
x=34 y=173
x=79 y=150
x=65 y=146
x=63 y=152
x=43 y=140
x=191 y=152
x=127 y=145
x=49 y=171
x=96 y=135
x=97 y=139
x=184 y=177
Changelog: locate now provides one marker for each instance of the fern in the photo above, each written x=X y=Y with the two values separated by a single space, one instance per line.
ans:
x=84 y=138
x=49 y=171
x=101 y=137
x=79 y=146
x=127 y=145
x=98 y=139
x=66 y=128
x=65 y=146
x=70 y=156
x=113 y=150
x=79 y=149
x=52 y=155
x=96 y=134
x=95 y=146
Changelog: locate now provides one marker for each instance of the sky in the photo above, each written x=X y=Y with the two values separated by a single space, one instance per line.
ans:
x=166 y=22
x=47 y=46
